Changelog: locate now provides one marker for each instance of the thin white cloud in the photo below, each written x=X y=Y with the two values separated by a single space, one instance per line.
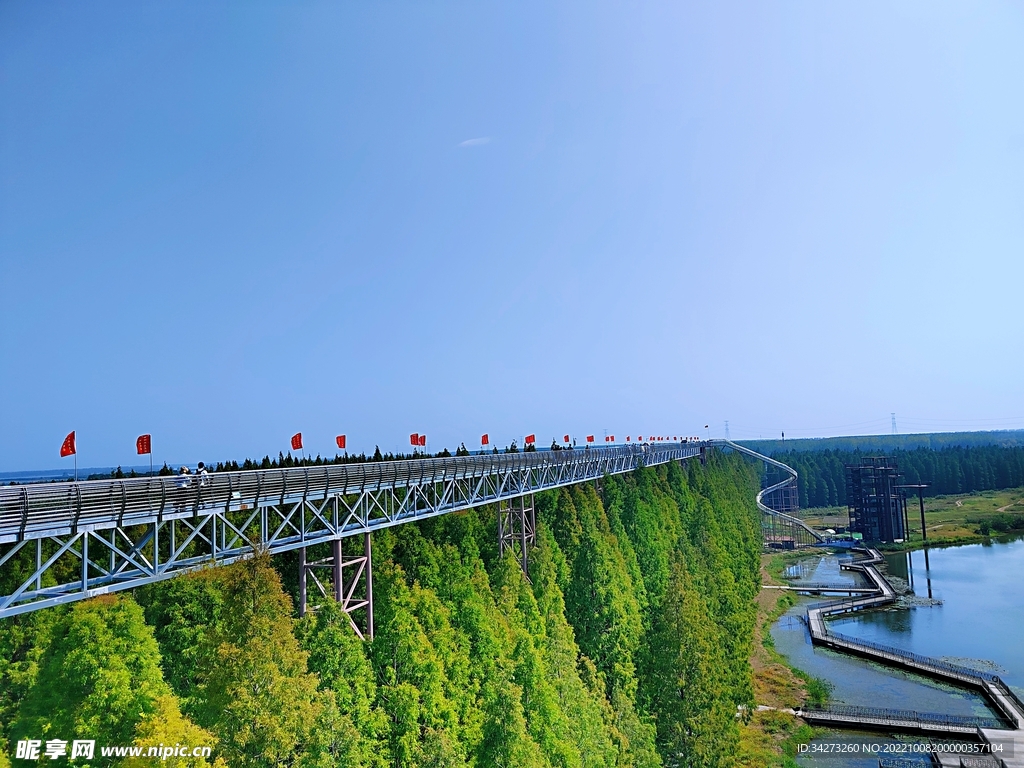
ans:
x=475 y=142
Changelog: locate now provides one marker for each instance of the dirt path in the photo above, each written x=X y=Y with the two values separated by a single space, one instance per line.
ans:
x=777 y=691
x=775 y=685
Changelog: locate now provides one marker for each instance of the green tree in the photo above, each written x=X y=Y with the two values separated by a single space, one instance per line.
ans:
x=506 y=742
x=259 y=699
x=411 y=691
x=166 y=726
x=696 y=723
x=98 y=678
x=338 y=658
x=186 y=615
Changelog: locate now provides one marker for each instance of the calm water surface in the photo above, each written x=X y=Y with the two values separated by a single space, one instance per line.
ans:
x=978 y=618
x=981 y=617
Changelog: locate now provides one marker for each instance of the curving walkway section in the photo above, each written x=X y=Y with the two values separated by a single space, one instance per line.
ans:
x=773 y=520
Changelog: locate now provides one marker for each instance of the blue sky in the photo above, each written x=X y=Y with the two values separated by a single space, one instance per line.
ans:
x=222 y=223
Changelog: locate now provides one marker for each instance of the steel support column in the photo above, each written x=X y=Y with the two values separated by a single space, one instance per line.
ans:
x=351 y=583
x=302 y=581
x=517 y=529
x=368 y=553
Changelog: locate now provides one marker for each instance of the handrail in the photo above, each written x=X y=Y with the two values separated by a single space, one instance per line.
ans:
x=765 y=509
x=41 y=510
x=902 y=716
x=917 y=658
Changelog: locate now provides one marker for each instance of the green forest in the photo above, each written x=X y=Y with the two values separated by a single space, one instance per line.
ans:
x=952 y=470
x=878 y=445
x=628 y=645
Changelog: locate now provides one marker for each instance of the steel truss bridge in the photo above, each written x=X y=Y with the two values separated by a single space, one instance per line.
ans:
x=62 y=542
x=778 y=528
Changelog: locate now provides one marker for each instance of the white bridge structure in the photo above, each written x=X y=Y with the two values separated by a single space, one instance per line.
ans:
x=61 y=542
x=778 y=526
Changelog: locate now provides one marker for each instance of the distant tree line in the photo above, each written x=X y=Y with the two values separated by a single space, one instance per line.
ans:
x=878 y=445
x=953 y=470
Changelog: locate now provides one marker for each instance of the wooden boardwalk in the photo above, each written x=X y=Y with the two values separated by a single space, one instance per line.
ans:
x=820 y=589
x=1005 y=702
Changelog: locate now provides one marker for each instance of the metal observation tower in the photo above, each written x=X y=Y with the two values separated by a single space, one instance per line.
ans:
x=61 y=542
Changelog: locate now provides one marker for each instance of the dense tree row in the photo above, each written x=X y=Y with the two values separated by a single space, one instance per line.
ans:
x=879 y=445
x=628 y=645
x=822 y=474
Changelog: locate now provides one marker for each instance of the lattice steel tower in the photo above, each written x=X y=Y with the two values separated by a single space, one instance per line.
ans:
x=877 y=505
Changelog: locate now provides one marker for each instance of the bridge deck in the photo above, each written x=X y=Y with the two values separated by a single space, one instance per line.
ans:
x=901 y=720
x=822 y=588
x=68 y=541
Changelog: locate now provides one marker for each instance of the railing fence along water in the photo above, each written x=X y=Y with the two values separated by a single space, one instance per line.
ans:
x=920 y=659
x=899 y=716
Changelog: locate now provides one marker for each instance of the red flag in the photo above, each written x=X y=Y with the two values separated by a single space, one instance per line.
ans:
x=531 y=439
x=340 y=440
x=565 y=439
x=68 y=447
x=590 y=438
x=297 y=441
x=414 y=438
x=485 y=440
x=639 y=438
x=611 y=438
x=144 y=445
x=627 y=438
x=423 y=439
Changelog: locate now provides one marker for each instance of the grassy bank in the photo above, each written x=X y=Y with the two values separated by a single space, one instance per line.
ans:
x=772 y=735
x=960 y=519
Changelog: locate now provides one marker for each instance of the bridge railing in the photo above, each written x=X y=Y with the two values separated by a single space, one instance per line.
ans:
x=799 y=527
x=900 y=716
x=917 y=658
x=38 y=510
x=822 y=586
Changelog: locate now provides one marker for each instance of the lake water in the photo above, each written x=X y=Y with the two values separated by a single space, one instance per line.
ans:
x=976 y=616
